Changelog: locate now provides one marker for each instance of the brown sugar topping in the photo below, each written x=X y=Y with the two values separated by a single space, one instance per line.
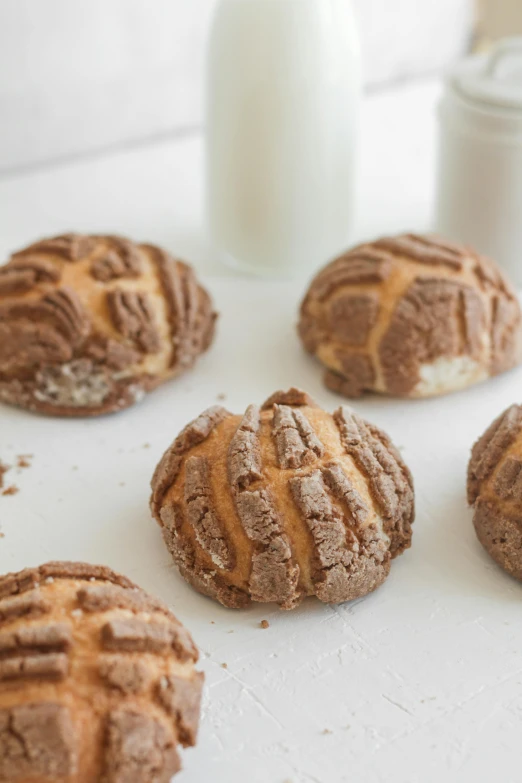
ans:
x=294 y=397
x=37 y=740
x=274 y=575
x=123 y=259
x=182 y=700
x=333 y=546
x=202 y=514
x=296 y=442
x=30 y=578
x=125 y=675
x=22 y=274
x=70 y=247
x=23 y=605
x=51 y=666
x=54 y=637
x=138 y=747
x=132 y=313
x=426 y=250
x=389 y=479
x=362 y=265
x=136 y=636
x=104 y=597
x=193 y=434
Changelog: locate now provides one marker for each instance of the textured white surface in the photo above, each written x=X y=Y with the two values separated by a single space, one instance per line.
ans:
x=78 y=75
x=420 y=682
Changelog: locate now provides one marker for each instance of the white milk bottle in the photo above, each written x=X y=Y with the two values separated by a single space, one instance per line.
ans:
x=283 y=91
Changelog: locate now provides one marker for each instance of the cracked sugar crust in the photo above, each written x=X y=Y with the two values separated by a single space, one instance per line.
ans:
x=410 y=316
x=291 y=502
x=495 y=490
x=98 y=679
x=90 y=324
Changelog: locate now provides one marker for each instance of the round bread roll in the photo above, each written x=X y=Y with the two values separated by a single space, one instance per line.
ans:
x=88 y=324
x=495 y=490
x=284 y=502
x=411 y=316
x=98 y=679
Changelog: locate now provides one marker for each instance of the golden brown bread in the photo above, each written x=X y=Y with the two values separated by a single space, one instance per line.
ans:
x=495 y=490
x=283 y=502
x=88 y=324
x=97 y=679
x=411 y=316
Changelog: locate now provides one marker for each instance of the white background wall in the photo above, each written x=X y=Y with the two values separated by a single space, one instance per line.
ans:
x=78 y=75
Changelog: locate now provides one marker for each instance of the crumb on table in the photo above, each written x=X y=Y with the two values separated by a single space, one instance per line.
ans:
x=12 y=490
x=224 y=665
x=265 y=624
x=222 y=396
x=24 y=460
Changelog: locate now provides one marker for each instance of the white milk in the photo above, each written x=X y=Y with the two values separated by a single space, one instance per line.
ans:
x=282 y=115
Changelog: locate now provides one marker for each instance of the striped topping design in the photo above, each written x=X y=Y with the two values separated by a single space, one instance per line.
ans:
x=79 y=627
x=381 y=315
x=310 y=504
x=489 y=450
x=129 y=314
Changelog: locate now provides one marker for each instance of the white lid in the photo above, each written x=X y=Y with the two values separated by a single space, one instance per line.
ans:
x=493 y=80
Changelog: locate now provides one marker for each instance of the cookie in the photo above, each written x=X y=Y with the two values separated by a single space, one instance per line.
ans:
x=97 y=679
x=89 y=324
x=495 y=490
x=411 y=316
x=284 y=502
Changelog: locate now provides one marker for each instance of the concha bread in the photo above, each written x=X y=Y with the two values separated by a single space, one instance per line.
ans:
x=495 y=490
x=97 y=678
x=284 y=502
x=88 y=324
x=411 y=316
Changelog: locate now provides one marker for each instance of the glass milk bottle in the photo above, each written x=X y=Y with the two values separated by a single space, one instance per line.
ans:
x=283 y=92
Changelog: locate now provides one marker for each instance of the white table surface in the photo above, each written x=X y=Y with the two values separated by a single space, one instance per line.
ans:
x=420 y=682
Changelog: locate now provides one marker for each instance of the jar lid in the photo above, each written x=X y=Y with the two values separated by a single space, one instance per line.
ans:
x=494 y=79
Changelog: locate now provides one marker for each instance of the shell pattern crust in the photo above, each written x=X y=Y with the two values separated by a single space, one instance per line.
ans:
x=411 y=316
x=284 y=502
x=98 y=679
x=89 y=324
